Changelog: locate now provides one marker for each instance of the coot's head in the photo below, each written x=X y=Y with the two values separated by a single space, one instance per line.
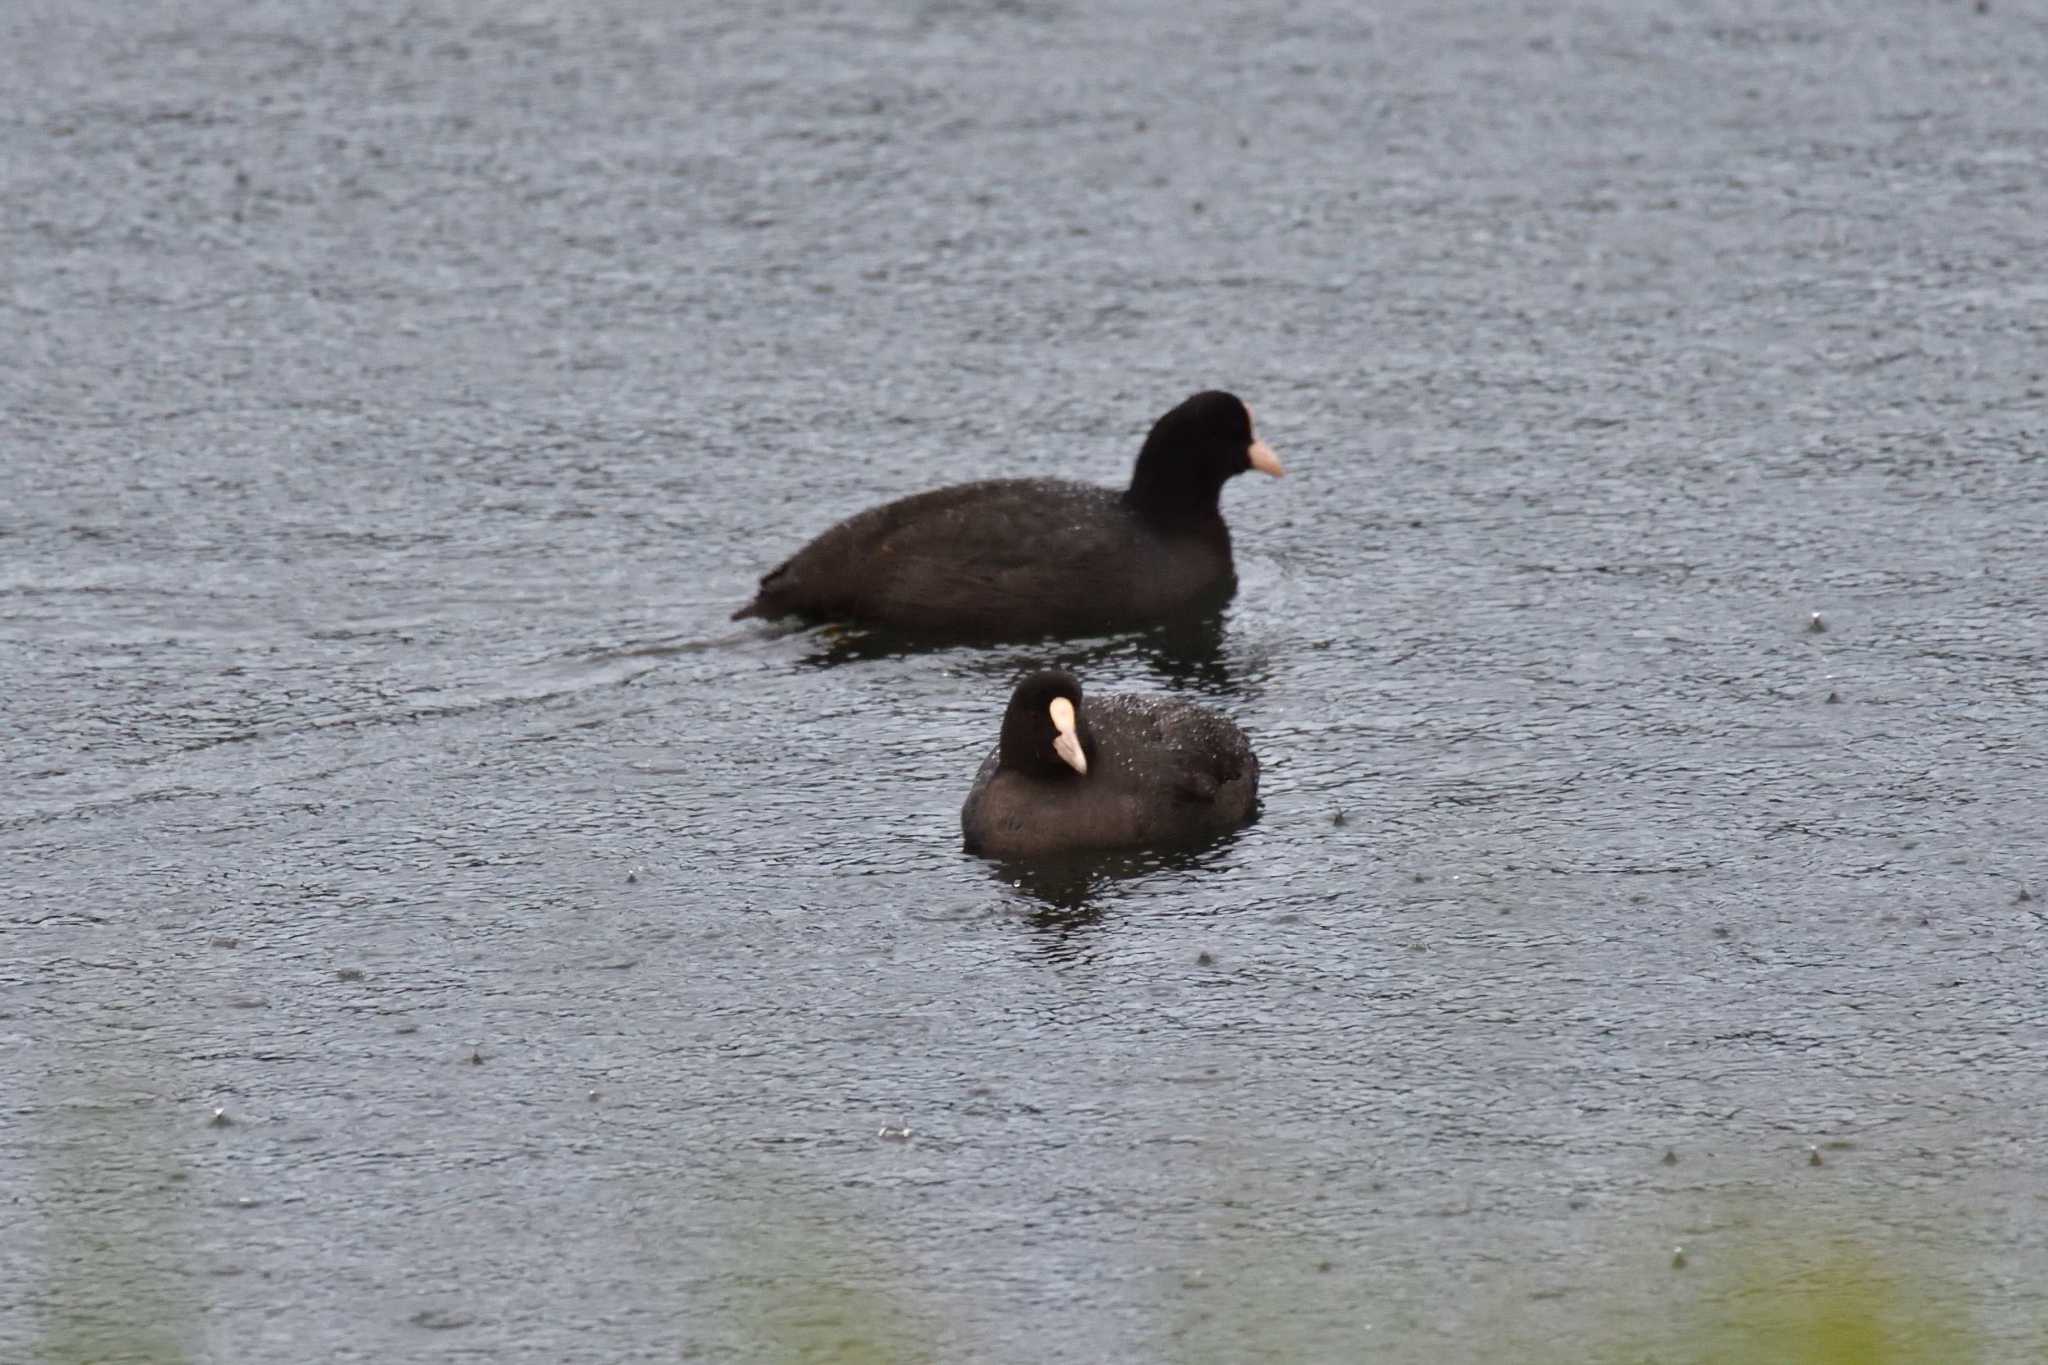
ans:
x=1044 y=732
x=1191 y=452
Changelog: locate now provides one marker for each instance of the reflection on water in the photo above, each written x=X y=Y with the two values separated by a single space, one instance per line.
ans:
x=117 y=1223
x=1195 y=654
x=1073 y=889
x=1190 y=655
x=833 y=645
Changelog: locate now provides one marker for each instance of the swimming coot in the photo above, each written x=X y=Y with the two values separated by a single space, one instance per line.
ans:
x=1117 y=772
x=1020 y=558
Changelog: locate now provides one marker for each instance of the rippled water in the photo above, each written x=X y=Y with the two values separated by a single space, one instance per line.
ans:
x=397 y=397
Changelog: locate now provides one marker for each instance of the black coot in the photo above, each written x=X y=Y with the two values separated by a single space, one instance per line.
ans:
x=1021 y=558
x=1117 y=772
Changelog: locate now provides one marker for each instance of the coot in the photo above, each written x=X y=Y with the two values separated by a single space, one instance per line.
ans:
x=1115 y=772
x=1022 y=558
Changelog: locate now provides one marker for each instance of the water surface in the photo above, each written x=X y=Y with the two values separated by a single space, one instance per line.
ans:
x=396 y=398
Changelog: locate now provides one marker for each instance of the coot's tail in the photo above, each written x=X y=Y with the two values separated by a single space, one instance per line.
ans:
x=767 y=604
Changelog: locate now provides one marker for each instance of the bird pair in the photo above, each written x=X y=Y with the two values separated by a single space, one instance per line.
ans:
x=1028 y=558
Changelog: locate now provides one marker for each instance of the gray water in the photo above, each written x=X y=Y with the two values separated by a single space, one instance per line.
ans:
x=396 y=398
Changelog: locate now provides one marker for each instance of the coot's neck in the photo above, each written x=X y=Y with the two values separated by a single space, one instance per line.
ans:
x=1172 y=498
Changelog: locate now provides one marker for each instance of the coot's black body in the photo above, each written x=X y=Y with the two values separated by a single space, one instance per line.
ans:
x=1119 y=772
x=1021 y=558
